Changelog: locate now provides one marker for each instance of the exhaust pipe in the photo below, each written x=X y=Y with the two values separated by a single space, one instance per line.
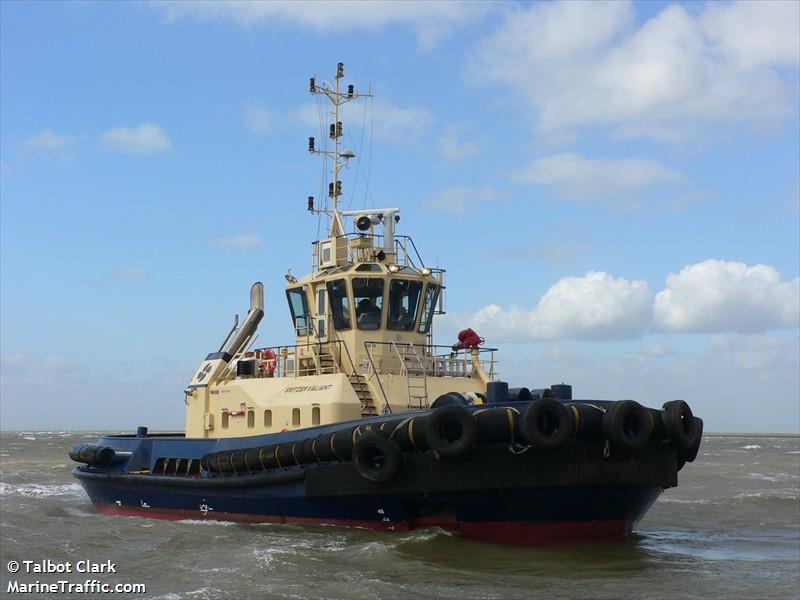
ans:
x=251 y=321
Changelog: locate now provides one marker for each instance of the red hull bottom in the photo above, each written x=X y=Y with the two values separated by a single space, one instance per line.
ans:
x=502 y=532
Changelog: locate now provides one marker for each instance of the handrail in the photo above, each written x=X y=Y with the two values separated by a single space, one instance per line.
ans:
x=429 y=359
x=387 y=409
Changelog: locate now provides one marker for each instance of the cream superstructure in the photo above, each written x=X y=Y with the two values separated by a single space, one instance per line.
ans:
x=363 y=324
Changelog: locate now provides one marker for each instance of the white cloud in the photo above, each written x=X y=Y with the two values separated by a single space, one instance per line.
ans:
x=452 y=147
x=431 y=21
x=578 y=177
x=714 y=296
x=241 y=241
x=720 y=296
x=755 y=34
x=459 y=200
x=577 y=64
x=48 y=140
x=389 y=122
x=596 y=306
x=753 y=352
x=258 y=119
x=144 y=139
x=131 y=273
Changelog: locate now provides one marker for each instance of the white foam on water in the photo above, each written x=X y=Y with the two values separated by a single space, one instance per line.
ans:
x=37 y=490
x=777 y=495
x=761 y=477
x=682 y=501
x=793 y=452
x=58 y=466
x=751 y=447
x=264 y=556
x=207 y=522
x=29 y=437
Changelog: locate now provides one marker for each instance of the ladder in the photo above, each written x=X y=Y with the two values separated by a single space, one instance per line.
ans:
x=413 y=367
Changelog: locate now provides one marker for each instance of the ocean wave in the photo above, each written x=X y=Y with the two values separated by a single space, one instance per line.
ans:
x=751 y=447
x=682 y=501
x=38 y=490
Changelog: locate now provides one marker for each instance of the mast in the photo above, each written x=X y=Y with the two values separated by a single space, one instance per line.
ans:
x=340 y=159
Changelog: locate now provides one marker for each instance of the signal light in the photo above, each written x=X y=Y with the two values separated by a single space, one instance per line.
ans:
x=350 y=91
x=330 y=190
x=311 y=204
x=339 y=70
x=311 y=144
x=312 y=85
x=338 y=188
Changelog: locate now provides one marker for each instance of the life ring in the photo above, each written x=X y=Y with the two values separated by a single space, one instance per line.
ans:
x=451 y=430
x=546 y=423
x=626 y=424
x=376 y=458
x=268 y=362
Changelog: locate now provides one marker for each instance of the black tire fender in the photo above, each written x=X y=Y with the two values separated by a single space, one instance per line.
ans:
x=627 y=424
x=376 y=458
x=679 y=424
x=691 y=453
x=451 y=430
x=546 y=423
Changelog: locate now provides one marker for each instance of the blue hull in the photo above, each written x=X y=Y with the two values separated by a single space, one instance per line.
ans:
x=579 y=492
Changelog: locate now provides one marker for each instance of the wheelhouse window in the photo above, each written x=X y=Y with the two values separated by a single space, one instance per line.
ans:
x=298 y=305
x=340 y=304
x=428 y=306
x=368 y=300
x=403 y=302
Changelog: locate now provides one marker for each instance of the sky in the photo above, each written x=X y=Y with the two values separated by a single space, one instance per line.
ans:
x=613 y=189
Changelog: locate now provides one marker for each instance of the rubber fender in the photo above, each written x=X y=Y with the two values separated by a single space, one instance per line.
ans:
x=376 y=458
x=498 y=425
x=450 y=398
x=100 y=456
x=588 y=421
x=451 y=430
x=342 y=442
x=410 y=434
x=626 y=424
x=659 y=432
x=307 y=452
x=679 y=424
x=324 y=448
x=691 y=453
x=546 y=423
x=520 y=394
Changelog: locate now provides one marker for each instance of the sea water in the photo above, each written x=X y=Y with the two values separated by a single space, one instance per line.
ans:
x=731 y=529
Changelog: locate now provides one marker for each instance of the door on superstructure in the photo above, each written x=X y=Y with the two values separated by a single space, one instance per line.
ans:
x=321 y=313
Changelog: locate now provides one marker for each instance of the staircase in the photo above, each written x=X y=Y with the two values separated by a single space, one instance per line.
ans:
x=361 y=388
x=326 y=361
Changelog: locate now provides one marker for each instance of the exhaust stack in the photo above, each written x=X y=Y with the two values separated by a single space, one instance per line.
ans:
x=251 y=321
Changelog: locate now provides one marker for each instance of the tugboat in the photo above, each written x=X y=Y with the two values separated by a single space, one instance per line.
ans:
x=364 y=422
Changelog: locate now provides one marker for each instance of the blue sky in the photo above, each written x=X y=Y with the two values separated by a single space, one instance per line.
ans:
x=613 y=188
